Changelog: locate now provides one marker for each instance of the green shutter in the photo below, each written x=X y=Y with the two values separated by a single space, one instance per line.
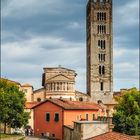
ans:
x=47 y=117
x=56 y=119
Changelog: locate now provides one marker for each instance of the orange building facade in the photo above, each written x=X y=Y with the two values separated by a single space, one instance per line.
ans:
x=51 y=115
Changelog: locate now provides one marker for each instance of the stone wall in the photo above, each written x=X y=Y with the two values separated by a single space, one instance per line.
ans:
x=86 y=129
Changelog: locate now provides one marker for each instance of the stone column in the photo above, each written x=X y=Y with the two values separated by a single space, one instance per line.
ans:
x=46 y=86
x=49 y=86
x=71 y=86
x=52 y=86
x=60 y=86
x=65 y=86
x=55 y=86
x=68 y=86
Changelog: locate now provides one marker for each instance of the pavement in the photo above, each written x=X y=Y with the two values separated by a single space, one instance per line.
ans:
x=34 y=138
x=12 y=138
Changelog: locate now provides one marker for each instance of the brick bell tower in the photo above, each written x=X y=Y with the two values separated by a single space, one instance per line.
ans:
x=99 y=50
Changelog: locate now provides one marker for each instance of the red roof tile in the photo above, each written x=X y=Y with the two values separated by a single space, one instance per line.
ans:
x=27 y=85
x=81 y=93
x=73 y=105
x=117 y=93
x=112 y=136
x=29 y=105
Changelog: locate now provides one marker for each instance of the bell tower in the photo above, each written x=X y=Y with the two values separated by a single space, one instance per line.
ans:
x=99 y=50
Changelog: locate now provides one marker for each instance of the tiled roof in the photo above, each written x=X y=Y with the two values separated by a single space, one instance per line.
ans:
x=73 y=105
x=112 y=136
x=40 y=89
x=29 y=105
x=27 y=85
x=117 y=93
x=81 y=93
x=59 y=67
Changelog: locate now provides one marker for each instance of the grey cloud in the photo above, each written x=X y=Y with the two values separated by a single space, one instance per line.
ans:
x=53 y=32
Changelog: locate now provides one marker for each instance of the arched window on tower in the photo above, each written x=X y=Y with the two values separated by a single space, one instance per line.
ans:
x=98 y=29
x=104 y=16
x=103 y=57
x=98 y=16
x=104 y=44
x=99 y=43
x=101 y=86
x=99 y=57
x=103 y=70
x=100 y=70
x=105 y=29
x=101 y=16
x=101 y=29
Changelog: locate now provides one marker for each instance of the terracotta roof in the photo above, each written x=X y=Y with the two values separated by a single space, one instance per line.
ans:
x=117 y=93
x=73 y=105
x=69 y=126
x=112 y=136
x=81 y=93
x=59 y=67
x=40 y=89
x=29 y=105
x=27 y=85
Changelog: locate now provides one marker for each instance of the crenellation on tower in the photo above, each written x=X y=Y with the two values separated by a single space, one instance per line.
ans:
x=99 y=50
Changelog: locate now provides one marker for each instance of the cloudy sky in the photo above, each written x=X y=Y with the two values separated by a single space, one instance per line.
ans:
x=40 y=33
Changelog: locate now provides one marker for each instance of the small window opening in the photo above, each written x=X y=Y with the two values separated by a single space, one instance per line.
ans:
x=56 y=118
x=47 y=117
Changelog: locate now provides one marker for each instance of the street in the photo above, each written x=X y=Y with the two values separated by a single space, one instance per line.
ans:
x=34 y=138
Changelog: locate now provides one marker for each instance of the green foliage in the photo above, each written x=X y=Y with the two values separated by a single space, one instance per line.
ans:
x=12 y=102
x=8 y=136
x=127 y=116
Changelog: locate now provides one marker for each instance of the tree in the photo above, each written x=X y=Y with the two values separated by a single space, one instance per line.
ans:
x=127 y=116
x=12 y=102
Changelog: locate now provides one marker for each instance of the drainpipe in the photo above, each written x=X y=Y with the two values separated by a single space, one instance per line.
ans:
x=62 y=123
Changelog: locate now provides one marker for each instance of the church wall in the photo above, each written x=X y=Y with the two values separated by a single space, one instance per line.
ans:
x=40 y=94
x=28 y=93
